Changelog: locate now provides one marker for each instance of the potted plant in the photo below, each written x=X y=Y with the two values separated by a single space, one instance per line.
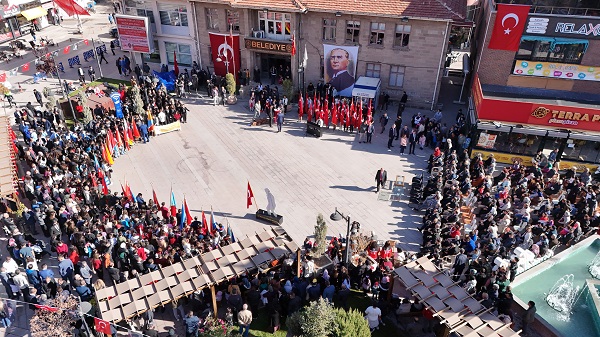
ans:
x=230 y=80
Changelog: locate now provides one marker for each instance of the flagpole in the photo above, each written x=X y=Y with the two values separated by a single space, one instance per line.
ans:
x=232 y=48
x=97 y=60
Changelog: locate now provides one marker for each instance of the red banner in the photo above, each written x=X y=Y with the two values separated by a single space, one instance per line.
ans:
x=225 y=53
x=545 y=115
x=508 y=27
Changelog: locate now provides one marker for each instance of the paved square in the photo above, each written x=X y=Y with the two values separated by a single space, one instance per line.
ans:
x=216 y=152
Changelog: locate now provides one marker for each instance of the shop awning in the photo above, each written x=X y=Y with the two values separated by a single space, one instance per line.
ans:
x=70 y=7
x=34 y=13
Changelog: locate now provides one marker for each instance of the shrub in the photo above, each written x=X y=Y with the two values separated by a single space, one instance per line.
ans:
x=315 y=320
x=230 y=80
x=87 y=112
x=288 y=88
x=320 y=236
x=350 y=324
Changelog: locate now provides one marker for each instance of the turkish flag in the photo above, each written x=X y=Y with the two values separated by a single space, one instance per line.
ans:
x=225 y=53
x=508 y=27
x=86 y=42
x=249 y=196
x=155 y=198
x=66 y=49
x=3 y=77
x=102 y=326
x=25 y=67
x=46 y=308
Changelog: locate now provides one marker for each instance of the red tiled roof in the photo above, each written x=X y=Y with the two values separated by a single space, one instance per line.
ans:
x=434 y=9
x=293 y=5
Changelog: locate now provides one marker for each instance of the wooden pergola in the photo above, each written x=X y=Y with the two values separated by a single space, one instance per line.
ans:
x=459 y=311
x=162 y=286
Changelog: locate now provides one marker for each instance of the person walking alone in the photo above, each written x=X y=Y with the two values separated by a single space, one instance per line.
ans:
x=380 y=178
x=38 y=97
x=383 y=120
x=391 y=136
x=101 y=55
x=244 y=320
x=280 y=117
x=117 y=62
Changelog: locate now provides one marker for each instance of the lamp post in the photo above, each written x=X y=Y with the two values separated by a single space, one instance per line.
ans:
x=337 y=216
x=219 y=59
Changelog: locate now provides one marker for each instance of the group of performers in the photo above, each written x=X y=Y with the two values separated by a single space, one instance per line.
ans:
x=339 y=113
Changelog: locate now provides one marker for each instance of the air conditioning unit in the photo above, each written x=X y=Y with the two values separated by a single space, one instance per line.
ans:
x=258 y=34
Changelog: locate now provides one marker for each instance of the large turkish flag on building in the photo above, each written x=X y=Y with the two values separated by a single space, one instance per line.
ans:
x=508 y=27
x=225 y=53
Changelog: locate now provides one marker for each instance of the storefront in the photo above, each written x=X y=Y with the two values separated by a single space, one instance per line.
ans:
x=515 y=129
x=9 y=26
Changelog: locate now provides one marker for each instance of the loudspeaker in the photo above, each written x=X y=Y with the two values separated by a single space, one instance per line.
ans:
x=313 y=129
x=276 y=219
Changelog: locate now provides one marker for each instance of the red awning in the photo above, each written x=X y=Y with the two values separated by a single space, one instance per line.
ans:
x=70 y=7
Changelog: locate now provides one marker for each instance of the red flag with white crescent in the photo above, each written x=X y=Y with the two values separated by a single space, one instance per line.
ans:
x=508 y=27
x=249 y=196
x=102 y=326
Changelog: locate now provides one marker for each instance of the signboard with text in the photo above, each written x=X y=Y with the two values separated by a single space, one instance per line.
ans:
x=546 y=115
x=557 y=70
x=268 y=45
x=134 y=33
x=563 y=26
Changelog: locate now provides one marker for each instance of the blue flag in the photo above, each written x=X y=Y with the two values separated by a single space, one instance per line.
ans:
x=116 y=98
x=183 y=218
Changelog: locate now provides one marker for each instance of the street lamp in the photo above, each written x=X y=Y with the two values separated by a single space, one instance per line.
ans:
x=352 y=229
x=219 y=59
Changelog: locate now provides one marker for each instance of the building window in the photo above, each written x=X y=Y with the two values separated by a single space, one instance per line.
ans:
x=183 y=51
x=373 y=70
x=152 y=57
x=212 y=18
x=173 y=15
x=558 y=50
x=396 y=76
x=377 y=33
x=233 y=20
x=329 y=26
x=402 y=36
x=352 y=31
x=139 y=8
x=275 y=23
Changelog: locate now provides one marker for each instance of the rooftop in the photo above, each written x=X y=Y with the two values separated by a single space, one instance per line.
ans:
x=431 y=9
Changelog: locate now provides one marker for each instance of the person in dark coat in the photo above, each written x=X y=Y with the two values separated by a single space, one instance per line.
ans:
x=391 y=136
x=380 y=178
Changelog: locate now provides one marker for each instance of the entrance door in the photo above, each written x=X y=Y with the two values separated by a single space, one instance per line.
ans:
x=282 y=64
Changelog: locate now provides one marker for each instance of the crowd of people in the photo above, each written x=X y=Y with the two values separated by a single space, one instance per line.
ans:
x=489 y=226
x=98 y=237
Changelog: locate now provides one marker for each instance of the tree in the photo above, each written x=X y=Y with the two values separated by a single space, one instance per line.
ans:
x=230 y=80
x=315 y=320
x=55 y=319
x=350 y=324
x=136 y=97
x=87 y=112
x=320 y=236
x=288 y=88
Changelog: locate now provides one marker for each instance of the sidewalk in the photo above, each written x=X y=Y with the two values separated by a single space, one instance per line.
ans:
x=95 y=27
